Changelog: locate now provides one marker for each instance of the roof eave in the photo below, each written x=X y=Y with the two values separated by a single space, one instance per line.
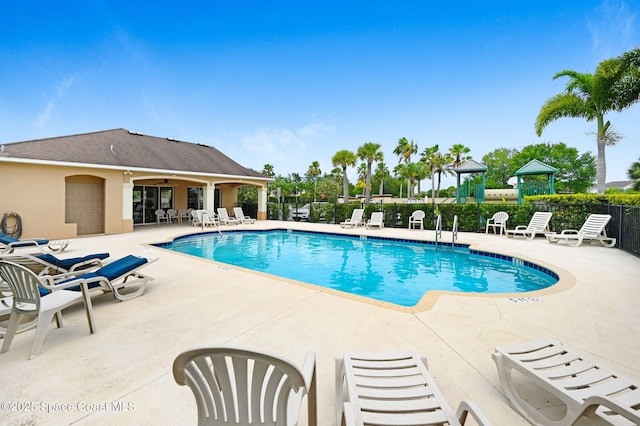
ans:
x=124 y=168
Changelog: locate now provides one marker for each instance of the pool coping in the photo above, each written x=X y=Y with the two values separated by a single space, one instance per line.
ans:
x=566 y=280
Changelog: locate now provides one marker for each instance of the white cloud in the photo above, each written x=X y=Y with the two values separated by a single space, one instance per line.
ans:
x=44 y=116
x=288 y=150
x=613 y=28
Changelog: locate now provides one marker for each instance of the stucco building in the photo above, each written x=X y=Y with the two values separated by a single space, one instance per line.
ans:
x=110 y=181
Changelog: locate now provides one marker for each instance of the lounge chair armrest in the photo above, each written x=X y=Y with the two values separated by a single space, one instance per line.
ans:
x=54 y=282
x=521 y=227
x=469 y=407
x=593 y=402
x=24 y=242
x=61 y=277
x=83 y=266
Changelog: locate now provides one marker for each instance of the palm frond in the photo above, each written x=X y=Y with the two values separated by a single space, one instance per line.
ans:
x=562 y=105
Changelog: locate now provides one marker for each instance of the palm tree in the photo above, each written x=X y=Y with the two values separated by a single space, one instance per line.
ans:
x=369 y=152
x=428 y=156
x=381 y=173
x=634 y=173
x=344 y=158
x=422 y=172
x=314 y=171
x=268 y=170
x=459 y=152
x=408 y=171
x=443 y=165
x=614 y=86
x=404 y=150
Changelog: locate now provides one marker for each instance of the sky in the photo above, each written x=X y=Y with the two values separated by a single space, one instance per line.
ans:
x=292 y=82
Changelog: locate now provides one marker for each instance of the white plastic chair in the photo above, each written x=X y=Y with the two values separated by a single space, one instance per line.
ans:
x=183 y=214
x=172 y=215
x=161 y=215
x=239 y=215
x=242 y=387
x=377 y=220
x=593 y=229
x=497 y=221
x=539 y=224
x=355 y=220
x=27 y=303
x=393 y=389
x=223 y=217
x=416 y=218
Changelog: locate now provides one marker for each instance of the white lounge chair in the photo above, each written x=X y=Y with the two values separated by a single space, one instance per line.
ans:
x=498 y=222
x=416 y=219
x=241 y=387
x=393 y=389
x=48 y=264
x=223 y=217
x=355 y=220
x=203 y=219
x=239 y=215
x=8 y=244
x=539 y=224
x=27 y=302
x=593 y=229
x=120 y=277
x=586 y=387
x=377 y=220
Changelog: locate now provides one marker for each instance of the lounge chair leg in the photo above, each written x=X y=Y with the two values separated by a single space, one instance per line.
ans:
x=14 y=321
x=339 y=372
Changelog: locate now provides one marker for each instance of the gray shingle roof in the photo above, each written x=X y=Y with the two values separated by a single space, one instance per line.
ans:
x=120 y=147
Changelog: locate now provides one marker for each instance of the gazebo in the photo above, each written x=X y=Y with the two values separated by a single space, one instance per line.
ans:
x=535 y=167
x=463 y=192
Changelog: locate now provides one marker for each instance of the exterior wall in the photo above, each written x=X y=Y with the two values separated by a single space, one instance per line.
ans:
x=229 y=195
x=37 y=193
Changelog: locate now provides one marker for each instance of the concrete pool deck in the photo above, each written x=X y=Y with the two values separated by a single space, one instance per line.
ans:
x=122 y=374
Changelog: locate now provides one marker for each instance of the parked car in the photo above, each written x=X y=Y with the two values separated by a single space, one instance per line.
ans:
x=301 y=213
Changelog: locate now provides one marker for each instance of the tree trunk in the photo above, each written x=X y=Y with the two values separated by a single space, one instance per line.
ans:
x=601 y=165
x=345 y=186
x=367 y=191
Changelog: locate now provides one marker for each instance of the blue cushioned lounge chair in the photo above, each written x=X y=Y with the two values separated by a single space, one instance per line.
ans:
x=121 y=274
x=48 y=264
x=8 y=244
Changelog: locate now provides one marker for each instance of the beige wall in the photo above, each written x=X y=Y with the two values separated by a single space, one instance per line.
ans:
x=38 y=193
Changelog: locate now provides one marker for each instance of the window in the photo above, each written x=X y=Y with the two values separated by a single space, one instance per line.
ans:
x=194 y=198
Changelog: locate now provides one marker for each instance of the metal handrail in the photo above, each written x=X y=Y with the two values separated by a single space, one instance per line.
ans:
x=455 y=230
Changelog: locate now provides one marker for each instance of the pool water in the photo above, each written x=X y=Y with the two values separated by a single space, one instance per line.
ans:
x=395 y=271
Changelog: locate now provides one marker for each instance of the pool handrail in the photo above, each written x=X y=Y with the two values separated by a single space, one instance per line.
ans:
x=438 y=228
x=454 y=230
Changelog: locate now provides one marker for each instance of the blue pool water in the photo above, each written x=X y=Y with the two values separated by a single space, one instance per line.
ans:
x=394 y=271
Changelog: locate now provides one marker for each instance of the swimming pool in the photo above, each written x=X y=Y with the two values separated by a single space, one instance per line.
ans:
x=390 y=270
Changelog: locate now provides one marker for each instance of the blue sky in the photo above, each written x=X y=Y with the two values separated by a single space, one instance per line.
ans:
x=287 y=83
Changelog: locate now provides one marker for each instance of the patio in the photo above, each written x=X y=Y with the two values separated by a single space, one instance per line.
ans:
x=122 y=374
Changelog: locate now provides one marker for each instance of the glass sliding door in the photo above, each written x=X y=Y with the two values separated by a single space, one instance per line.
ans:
x=150 y=204
x=148 y=199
